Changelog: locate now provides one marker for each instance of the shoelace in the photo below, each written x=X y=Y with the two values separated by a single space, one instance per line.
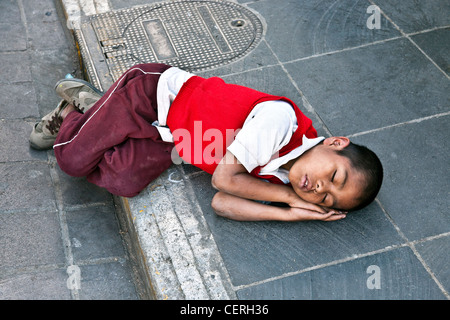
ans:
x=77 y=107
x=54 y=124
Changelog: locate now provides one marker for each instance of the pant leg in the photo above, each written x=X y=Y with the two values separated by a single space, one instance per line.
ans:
x=128 y=168
x=114 y=144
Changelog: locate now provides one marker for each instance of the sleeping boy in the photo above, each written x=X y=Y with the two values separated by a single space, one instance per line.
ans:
x=257 y=146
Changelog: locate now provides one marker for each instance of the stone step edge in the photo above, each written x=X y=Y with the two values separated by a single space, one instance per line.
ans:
x=177 y=248
x=176 y=252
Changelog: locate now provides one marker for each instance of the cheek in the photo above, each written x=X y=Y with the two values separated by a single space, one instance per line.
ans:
x=307 y=196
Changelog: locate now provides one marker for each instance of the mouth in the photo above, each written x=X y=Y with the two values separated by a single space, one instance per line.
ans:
x=305 y=183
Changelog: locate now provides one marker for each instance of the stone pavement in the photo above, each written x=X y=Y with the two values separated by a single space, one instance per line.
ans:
x=59 y=236
x=386 y=86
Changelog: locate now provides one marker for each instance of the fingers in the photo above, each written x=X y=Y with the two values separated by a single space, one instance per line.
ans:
x=314 y=207
x=329 y=216
x=297 y=214
x=334 y=216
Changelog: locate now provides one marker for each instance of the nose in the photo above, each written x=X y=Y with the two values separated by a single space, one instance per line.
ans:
x=321 y=187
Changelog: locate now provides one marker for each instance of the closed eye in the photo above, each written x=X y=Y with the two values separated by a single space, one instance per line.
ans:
x=332 y=179
x=334 y=174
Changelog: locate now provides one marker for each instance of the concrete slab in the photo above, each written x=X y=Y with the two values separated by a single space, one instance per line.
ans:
x=12 y=149
x=354 y=91
x=107 y=281
x=436 y=44
x=36 y=176
x=434 y=253
x=401 y=276
x=13 y=37
x=15 y=72
x=411 y=16
x=30 y=238
x=42 y=214
x=94 y=238
x=299 y=29
x=22 y=94
x=414 y=193
x=29 y=286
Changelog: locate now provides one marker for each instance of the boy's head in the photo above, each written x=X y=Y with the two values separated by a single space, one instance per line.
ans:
x=337 y=174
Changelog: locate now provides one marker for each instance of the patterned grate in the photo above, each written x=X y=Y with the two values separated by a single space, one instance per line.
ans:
x=194 y=35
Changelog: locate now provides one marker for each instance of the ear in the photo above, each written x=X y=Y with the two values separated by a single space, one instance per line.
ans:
x=338 y=143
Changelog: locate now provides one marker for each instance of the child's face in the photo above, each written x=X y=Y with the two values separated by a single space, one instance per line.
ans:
x=323 y=177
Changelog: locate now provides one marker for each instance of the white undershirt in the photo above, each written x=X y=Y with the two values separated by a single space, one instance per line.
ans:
x=267 y=129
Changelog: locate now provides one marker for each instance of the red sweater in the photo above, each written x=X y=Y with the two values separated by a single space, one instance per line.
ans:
x=206 y=111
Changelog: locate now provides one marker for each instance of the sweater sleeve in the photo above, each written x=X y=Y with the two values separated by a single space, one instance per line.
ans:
x=267 y=129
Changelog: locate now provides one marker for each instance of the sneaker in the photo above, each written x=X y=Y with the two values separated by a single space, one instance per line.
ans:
x=44 y=132
x=80 y=93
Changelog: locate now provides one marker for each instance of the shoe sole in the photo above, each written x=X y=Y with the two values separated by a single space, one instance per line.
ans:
x=81 y=82
x=36 y=147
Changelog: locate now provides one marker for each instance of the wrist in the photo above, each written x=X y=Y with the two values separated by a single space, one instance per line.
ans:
x=291 y=197
x=287 y=214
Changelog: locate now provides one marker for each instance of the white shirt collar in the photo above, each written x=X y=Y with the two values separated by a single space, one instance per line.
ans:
x=274 y=166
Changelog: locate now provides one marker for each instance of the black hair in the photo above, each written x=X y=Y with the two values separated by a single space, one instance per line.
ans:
x=366 y=162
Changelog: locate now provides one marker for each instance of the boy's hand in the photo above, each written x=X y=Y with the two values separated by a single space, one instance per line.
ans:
x=299 y=214
x=298 y=202
x=302 y=210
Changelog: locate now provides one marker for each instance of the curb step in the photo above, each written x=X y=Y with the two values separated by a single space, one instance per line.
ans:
x=176 y=252
x=177 y=248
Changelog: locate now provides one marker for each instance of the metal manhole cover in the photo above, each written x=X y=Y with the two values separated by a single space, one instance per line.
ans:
x=193 y=35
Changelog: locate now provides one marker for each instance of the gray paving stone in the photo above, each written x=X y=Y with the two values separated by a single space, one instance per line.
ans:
x=402 y=277
x=38 y=42
x=38 y=193
x=261 y=56
x=48 y=67
x=12 y=71
x=15 y=147
x=415 y=188
x=372 y=87
x=44 y=12
x=436 y=45
x=94 y=233
x=18 y=101
x=108 y=281
x=413 y=16
x=46 y=220
x=9 y=11
x=46 y=285
x=30 y=239
x=78 y=192
x=12 y=37
x=254 y=251
x=435 y=254
x=299 y=29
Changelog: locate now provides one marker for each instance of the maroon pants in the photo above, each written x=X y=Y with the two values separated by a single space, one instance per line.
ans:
x=114 y=143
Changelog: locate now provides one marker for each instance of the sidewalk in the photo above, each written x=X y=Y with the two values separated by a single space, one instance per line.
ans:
x=59 y=237
x=386 y=87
